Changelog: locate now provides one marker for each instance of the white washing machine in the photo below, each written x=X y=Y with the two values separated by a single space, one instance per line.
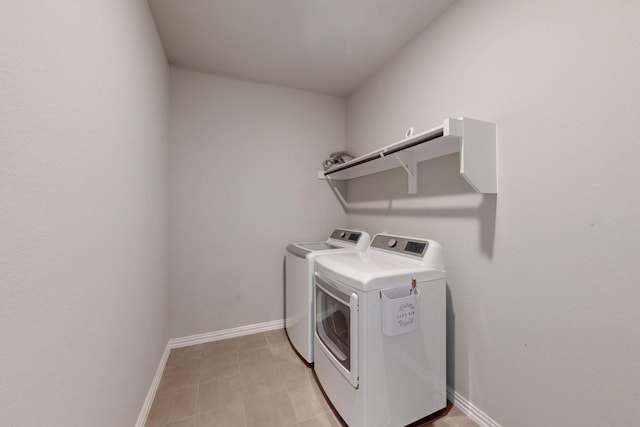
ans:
x=380 y=342
x=299 y=301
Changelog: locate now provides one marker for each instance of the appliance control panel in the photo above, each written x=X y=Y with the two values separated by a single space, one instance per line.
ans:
x=346 y=235
x=400 y=245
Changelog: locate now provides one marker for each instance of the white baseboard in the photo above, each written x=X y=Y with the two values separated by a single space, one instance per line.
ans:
x=151 y=394
x=198 y=339
x=462 y=403
x=472 y=411
x=226 y=333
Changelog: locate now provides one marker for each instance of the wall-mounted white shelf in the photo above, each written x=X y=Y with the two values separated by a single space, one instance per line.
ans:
x=474 y=139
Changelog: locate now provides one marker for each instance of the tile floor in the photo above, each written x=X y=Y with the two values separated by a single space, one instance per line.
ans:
x=254 y=380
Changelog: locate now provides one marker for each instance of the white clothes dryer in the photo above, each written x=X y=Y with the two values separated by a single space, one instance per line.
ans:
x=299 y=294
x=380 y=336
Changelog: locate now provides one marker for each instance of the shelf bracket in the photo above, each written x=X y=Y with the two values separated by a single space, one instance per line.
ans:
x=475 y=140
x=411 y=167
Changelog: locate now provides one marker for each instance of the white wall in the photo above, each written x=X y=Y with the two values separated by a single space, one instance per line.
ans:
x=243 y=162
x=83 y=247
x=542 y=278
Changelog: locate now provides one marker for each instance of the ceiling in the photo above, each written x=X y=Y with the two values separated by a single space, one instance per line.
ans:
x=326 y=46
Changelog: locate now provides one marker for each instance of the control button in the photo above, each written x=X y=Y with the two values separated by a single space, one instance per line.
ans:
x=392 y=243
x=342 y=234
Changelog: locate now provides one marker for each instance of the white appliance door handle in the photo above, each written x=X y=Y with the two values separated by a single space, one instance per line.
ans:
x=353 y=309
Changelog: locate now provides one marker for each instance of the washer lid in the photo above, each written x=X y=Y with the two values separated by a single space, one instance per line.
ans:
x=340 y=239
x=317 y=246
x=312 y=249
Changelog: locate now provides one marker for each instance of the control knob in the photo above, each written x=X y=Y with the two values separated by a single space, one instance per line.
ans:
x=392 y=243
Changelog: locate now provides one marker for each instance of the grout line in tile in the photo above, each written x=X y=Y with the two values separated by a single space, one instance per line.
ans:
x=243 y=400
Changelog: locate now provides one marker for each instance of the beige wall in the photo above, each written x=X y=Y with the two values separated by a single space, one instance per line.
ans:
x=83 y=247
x=542 y=278
x=243 y=163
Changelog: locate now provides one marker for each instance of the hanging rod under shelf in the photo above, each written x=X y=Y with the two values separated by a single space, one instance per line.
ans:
x=390 y=149
x=474 y=139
